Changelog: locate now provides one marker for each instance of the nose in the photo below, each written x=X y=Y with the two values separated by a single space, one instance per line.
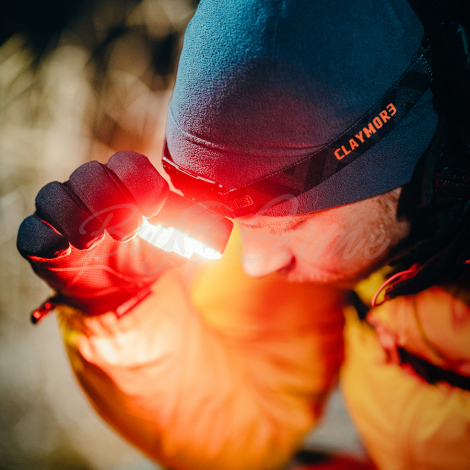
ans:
x=263 y=254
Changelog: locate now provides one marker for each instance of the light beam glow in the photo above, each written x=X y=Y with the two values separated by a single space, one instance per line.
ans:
x=171 y=239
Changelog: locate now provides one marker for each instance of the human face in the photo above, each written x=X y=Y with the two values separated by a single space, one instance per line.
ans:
x=339 y=246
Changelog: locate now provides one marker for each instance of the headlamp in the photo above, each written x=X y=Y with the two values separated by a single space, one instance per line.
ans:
x=213 y=229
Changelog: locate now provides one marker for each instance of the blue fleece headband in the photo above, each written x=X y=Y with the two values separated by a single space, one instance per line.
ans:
x=263 y=85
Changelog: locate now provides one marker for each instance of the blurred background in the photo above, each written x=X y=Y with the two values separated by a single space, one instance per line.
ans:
x=79 y=80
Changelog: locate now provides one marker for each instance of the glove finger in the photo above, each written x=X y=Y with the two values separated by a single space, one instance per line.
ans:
x=141 y=179
x=37 y=238
x=58 y=206
x=112 y=205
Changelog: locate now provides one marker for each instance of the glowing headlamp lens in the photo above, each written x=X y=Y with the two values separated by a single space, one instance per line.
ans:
x=172 y=239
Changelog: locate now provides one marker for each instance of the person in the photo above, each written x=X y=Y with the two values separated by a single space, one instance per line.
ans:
x=307 y=123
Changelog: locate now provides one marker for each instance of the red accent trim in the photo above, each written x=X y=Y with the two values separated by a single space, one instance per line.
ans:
x=400 y=275
x=38 y=314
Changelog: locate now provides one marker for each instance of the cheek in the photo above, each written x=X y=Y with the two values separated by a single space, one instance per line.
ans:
x=340 y=246
x=312 y=241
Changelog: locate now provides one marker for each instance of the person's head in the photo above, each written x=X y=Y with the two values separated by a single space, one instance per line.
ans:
x=322 y=107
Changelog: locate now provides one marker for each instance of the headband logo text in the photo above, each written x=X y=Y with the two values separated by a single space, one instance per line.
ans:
x=376 y=124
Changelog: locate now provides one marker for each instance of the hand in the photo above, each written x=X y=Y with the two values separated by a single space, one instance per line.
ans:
x=81 y=240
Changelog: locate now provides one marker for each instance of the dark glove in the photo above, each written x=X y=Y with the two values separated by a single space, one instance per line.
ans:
x=81 y=239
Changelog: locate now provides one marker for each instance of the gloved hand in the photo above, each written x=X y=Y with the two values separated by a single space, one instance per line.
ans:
x=81 y=240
